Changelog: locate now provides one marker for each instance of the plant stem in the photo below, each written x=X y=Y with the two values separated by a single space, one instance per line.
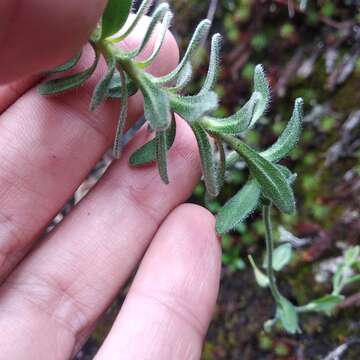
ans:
x=109 y=49
x=269 y=252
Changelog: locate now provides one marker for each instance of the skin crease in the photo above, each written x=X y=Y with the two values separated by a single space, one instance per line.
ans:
x=51 y=301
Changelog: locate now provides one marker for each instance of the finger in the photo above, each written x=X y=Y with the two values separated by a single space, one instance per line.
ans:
x=171 y=300
x=36 y=35
x=9 y=93
x=58 y=292
x=47 y=147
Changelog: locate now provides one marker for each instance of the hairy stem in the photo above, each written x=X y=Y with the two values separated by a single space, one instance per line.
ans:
x=269 y=252
x=108 y=48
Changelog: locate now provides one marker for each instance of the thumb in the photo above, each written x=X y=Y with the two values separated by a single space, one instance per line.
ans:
x=36 y=35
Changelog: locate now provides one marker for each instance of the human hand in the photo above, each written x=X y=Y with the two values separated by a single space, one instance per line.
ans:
x=52 y=299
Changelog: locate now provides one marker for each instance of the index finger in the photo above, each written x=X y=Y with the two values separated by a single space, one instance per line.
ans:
x=36 y=35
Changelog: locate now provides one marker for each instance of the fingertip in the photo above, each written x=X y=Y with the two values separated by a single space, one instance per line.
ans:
x=195 y=216
x=190 y=231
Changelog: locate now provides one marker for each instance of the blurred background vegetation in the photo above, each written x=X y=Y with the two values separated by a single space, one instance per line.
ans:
x=313 y=53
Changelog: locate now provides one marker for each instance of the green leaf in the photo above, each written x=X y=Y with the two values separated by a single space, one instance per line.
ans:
x=102 y=88
x=191 y=108
x=183 y=78
x=115 y=16
x=214 y=64
x=281 y=257
x=158 y=15
x=61 y=85
x=273 y=183
x=143 y=9
x=261 y=85
x=95 y=36
x=288 y=316
x=326 y=304
x=261 y=279
x=220 y=167
x=147 y=153
x=269 y=325
x=235 y=124
x=290 y=177
x=122 y=118
x=156 y=104
x=303 y=5
x=68 y=65
x=239 y=207
x=352 y=255
x=338 y=278
x=115 y=88
x=212 y=173
x=200 y=32
x=352 y=279
x=159 y=41
x=161 y=155
x=288 y=138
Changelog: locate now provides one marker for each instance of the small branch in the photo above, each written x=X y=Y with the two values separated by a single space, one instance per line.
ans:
x=269 y=253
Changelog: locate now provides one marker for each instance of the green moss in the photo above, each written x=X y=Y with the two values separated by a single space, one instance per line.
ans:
x=347 y=98
x=281 y=350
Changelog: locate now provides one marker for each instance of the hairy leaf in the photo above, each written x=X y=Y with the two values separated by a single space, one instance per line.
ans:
x=211 y=172
x=201 y=31
x=338 y=278
x=61 y=85
x=183 y=78
x=352 y=279
x=191 y=108
x=288 y=138
x=95 y=36
x=115 y=87
x=143 y=9
x=161 y=155
x=159 y=42
x=281 y=257
x=156 y=104
x=303 y=4
x=273 y=183
x=221 y=165
x=147 y=153
x=68 y=65
x=261 y=279
x=239 y=207
x=101 y=89
x=326 y=304
x=288 y=316
x=261 y=85
x=290 y=177
x=214 y=64
x=158 y=15
x=122 y=118
x=236 y=123
x=115 y=16
x=352 y=255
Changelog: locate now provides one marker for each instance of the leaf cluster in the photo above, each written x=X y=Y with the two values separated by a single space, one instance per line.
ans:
x=287 y=313
x=166 y=96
